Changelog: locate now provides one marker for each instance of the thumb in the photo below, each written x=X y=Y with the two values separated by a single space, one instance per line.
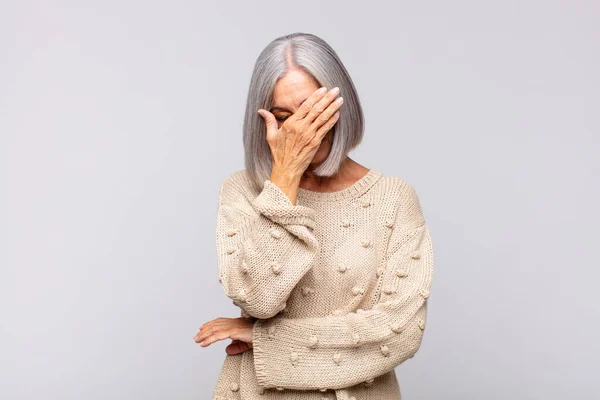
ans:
x=270 y=120
x=236 y=347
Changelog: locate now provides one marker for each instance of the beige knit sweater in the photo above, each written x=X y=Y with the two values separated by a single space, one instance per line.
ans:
x=337 y=285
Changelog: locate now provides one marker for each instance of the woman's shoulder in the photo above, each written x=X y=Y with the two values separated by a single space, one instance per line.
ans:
x=401 y=195
x=407 y=204
x=237 y=186
x=396 y=185
x=236 y=179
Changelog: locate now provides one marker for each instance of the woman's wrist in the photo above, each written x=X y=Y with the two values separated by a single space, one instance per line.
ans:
x=287 y=181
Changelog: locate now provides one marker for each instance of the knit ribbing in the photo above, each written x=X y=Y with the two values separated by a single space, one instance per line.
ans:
x=355 y=190
x=337 y=284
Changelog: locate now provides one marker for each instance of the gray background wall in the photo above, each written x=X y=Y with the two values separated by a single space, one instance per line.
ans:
x=119 y=120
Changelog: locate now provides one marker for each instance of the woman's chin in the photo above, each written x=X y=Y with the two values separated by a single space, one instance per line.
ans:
x=319 y=158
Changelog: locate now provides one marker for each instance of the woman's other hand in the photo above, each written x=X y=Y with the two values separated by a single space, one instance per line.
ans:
x=238 y=329
x=294 y=144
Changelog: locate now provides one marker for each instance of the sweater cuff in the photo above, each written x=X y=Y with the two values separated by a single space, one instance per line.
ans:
x=276 y=352
x=274 y=204
x=260 y=336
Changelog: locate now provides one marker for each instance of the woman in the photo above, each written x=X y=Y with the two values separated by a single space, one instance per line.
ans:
x=330 y=262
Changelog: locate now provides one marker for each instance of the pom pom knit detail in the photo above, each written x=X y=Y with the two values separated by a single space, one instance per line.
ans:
x=336 y=285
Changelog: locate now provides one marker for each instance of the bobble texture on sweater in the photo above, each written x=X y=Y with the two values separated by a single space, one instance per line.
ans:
x=337 y=285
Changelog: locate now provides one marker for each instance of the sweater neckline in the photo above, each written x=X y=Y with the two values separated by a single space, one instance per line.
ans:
x=352 y=191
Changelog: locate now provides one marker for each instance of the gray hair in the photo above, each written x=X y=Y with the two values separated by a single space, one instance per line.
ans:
x=318 y=59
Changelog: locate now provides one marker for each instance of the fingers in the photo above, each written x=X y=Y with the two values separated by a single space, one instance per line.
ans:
x=325 y=117
x=236 y=347
x=322 y=106
x=308 y=104
x=223 y=328
x=207 y=328
x=326 y=127
x=214 y=337
x=270 y=121
x=209 y=335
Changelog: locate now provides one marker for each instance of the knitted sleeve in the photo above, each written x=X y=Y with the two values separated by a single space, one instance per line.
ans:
x=338 y=351
x=265 y=245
